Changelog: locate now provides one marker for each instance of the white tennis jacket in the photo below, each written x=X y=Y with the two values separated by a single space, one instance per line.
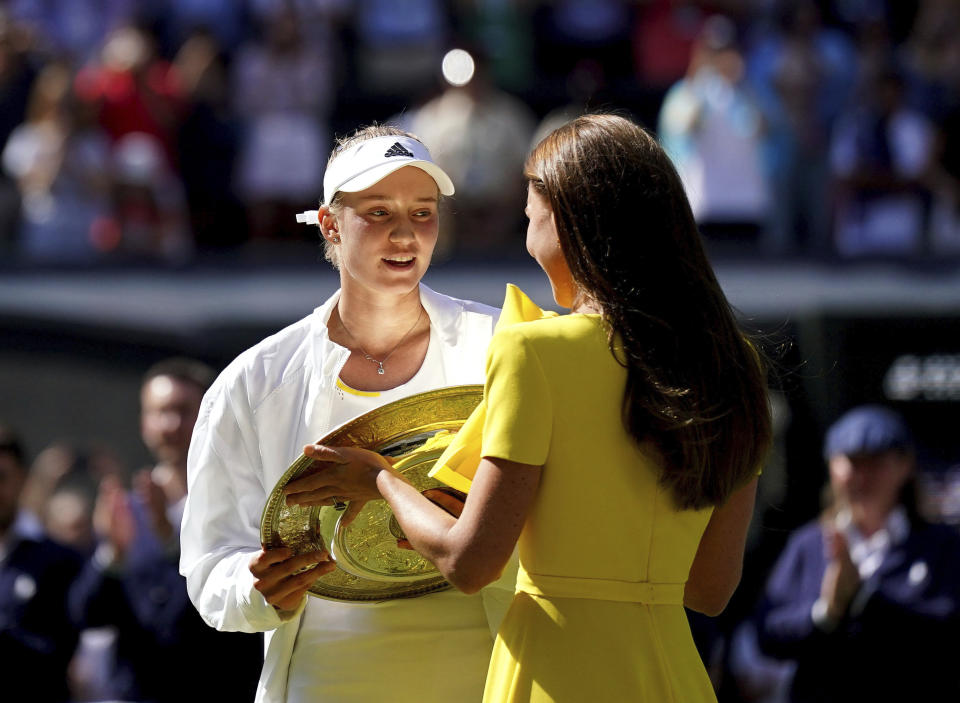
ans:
x=254 y=421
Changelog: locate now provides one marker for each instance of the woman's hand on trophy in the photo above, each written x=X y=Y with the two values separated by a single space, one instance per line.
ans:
x=338 y=475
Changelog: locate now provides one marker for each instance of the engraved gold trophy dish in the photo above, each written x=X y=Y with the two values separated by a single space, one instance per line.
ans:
x=414 y=431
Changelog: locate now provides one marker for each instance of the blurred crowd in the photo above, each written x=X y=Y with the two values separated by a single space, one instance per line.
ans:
x=860 y=603
x=92 y=604
x=167 y=130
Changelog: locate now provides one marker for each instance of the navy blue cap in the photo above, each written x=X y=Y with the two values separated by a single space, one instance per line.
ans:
x=867 y=429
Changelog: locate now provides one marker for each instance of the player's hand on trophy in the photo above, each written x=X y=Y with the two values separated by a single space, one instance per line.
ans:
x=284 y=578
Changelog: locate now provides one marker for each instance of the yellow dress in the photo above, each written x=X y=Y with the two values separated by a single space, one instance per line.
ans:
x=597 y=615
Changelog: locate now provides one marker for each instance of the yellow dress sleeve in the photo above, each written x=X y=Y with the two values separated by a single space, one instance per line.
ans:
x=458 y=464
x=519 y=417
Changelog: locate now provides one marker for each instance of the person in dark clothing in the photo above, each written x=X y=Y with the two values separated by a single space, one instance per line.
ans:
x=163 y=649
x=866 y=600
x=36 y=638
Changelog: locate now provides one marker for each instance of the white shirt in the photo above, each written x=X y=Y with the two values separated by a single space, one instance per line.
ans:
x=353 y=636
x=254 y=421
x=349 y=403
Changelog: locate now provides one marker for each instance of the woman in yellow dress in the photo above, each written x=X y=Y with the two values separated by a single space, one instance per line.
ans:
x=620 y=443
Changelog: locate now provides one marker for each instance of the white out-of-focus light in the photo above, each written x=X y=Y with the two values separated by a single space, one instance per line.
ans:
x=458 y=67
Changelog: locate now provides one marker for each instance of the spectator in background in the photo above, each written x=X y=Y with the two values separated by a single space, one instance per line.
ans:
x=225 y=20
x=799 y=140
x=568 y=31
x=65 y=466
x=150 y=218
x=133 y=90
x=479 y=135
x=798 y=27
x=16 y=76
x=68 y=520
x=73 y=29
x=880 y=152
x=132 y=582
x=945 y=184
x=59 y=160
x=584 y=84
x=664 y=37
x=505 y=31
x=283 y=87
x=713 y=130
x=931 y=57
x=208 y=143
x=802 y=73
x=399 y=44
x=866 y=600
x=36 y=638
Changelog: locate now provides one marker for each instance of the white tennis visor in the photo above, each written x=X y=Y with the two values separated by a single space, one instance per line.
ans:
x=372 y=160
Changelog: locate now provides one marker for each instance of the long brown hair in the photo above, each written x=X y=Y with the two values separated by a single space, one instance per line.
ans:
x=695 y=384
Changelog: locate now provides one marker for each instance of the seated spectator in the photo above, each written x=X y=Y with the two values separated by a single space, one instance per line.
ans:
x=132 y=582
x=880 y=151
x=866 y=600
x=36 y=638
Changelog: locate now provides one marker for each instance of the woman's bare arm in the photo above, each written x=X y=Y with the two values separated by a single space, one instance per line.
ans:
x=718 y=564
x=470 y=551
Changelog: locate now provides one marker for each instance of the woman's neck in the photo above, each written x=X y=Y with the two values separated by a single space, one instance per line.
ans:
x=584 y=304
x=375 y=323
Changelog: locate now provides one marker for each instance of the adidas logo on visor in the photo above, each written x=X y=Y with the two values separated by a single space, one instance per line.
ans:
x=398 y=150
